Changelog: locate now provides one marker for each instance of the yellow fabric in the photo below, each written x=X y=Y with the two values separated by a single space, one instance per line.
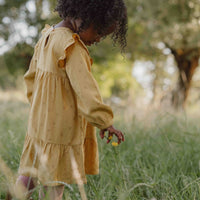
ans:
x=66 y=106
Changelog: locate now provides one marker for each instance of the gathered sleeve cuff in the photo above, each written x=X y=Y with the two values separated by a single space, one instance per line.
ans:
x=89 y=101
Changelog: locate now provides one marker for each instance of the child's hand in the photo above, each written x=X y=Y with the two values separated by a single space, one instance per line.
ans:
x=111 y=130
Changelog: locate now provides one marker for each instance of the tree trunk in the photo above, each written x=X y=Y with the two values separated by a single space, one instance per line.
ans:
x=187 y=62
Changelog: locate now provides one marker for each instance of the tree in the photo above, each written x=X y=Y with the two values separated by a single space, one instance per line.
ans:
x=175 y=23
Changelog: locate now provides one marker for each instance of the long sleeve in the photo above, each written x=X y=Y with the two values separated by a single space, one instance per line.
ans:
x=29 y=77
x=89 y=100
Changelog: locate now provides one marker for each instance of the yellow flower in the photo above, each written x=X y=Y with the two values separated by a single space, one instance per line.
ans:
x=110 y=137
x=115 y=144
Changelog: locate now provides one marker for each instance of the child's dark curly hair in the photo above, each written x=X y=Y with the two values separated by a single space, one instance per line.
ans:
x=103 y=14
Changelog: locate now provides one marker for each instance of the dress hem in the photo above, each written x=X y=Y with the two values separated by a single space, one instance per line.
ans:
x=52 y=162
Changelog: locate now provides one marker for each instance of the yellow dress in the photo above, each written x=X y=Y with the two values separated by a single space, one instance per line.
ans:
x=60 y=144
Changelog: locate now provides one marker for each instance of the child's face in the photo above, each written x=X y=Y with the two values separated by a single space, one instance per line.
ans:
x=91 y=36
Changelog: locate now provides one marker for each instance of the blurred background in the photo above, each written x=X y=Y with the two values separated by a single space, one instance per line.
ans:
x=159 y=69
x=153 y=88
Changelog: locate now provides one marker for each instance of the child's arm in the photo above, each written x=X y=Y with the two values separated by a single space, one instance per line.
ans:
x=30 y=76
x=89 y=100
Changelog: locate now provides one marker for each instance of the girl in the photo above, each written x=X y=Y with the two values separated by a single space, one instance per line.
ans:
x=60 y=144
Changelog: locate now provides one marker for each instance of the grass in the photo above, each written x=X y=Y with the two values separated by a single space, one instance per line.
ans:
x=160 y=159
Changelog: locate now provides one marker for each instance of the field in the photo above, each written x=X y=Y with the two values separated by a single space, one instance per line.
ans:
x=160 y=159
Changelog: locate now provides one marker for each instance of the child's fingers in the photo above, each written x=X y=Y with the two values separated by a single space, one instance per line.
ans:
x=120 y=136
x=110 y=135
x=101 y=133
x=123 y=137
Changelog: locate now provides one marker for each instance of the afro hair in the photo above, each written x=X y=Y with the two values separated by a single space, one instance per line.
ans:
x=103 y=14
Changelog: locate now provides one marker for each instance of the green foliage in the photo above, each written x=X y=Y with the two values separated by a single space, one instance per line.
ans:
x=114 y=77
x=6 y=80
x=13 y=64
x=17 y=59
x=112 y=70
x=175 y=23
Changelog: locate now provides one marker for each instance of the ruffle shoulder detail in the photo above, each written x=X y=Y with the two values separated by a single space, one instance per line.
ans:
x=75 y=38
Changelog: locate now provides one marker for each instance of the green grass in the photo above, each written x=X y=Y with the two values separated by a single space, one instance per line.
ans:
x=160 y=158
